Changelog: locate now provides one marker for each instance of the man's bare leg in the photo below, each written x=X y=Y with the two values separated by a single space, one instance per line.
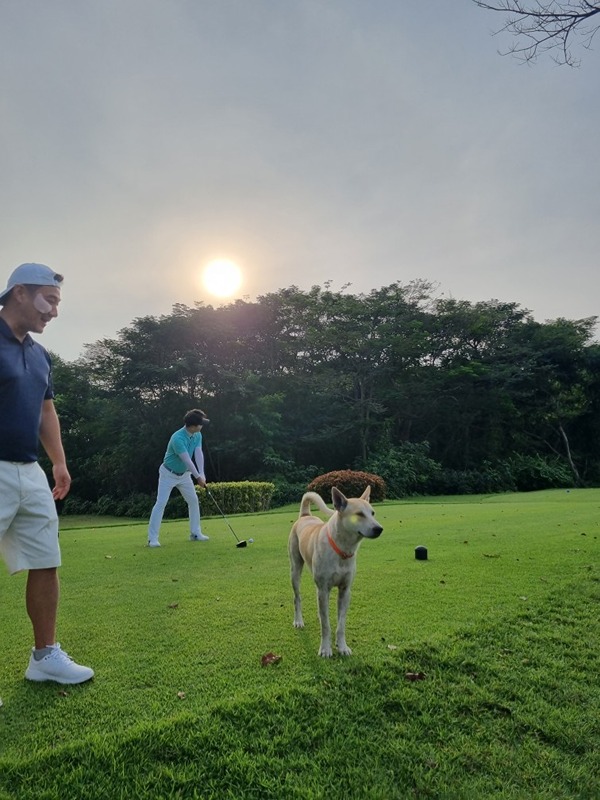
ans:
x=41 y=597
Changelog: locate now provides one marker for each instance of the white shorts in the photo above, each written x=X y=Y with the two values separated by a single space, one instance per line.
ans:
x=28 y=518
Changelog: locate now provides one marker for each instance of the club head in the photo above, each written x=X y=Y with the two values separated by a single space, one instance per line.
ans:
x=243 y=543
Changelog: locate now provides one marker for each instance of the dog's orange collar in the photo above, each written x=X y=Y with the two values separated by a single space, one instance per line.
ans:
x=340 y=553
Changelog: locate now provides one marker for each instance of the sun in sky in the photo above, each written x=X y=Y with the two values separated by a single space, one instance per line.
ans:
x=222 y=277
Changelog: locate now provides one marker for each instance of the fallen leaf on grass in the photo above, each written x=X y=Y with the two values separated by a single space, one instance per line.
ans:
x=270 y=658
x=392 y=646
x=62 y=693
x=414 y=676
x=173 y=605
x=181 y=695
x=107 y=556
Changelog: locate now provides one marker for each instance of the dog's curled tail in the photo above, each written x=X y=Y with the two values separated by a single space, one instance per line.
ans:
x=313 y=497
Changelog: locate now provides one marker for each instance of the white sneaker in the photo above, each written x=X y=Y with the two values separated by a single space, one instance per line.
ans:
x=198 y=537
x=57 y=666
x=153 y=544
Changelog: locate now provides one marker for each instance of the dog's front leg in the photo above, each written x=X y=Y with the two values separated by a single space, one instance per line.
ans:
x=323 y=604
x=340 y=633
x=296 y=575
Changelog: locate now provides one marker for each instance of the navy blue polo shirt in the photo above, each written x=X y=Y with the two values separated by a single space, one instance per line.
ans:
x=25 y=382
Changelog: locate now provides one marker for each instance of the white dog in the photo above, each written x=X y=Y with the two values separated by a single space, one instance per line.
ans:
x=329 y=550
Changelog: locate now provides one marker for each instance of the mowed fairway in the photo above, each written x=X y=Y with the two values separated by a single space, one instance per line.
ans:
x=502 y=620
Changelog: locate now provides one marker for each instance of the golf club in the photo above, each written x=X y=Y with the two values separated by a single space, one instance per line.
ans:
x=240 y=542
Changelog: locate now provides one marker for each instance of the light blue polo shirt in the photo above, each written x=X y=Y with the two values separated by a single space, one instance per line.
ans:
x=181 y=442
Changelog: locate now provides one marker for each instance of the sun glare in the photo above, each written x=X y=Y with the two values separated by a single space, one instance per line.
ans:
x=222 y=277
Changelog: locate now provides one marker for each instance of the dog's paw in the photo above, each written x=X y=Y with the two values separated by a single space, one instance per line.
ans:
x=344 y=651
x=298 y=623
x=325 y=652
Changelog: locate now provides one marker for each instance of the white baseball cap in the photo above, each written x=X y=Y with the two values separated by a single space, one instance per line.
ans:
x=33 y=274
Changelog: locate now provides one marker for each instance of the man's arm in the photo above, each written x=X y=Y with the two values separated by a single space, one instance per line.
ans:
x=199 y=459
x=197 y=473
x=51 y=440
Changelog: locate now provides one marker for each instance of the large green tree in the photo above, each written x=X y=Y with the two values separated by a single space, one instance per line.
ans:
x=305 y=381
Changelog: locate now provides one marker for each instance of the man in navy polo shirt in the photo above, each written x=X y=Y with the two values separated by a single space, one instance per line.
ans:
x=28 y=518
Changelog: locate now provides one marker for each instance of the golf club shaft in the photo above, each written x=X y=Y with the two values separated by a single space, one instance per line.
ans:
x=210 y=494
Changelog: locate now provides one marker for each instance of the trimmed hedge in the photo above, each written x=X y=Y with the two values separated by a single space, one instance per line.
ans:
x=350 y=482
x=242 y=497
x=239 y=497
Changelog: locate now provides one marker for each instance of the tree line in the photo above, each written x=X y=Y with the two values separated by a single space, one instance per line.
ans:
x=433 y=394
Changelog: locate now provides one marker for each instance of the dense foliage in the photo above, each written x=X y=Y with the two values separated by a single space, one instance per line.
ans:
x=432 y=394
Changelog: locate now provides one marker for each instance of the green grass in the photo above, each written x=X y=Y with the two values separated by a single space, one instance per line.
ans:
x=503 y=619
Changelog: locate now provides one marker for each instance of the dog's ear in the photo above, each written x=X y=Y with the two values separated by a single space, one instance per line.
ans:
x=339 y=500
x=366 y=494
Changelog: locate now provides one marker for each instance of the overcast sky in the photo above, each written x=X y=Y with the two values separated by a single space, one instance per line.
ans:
x=351 y=141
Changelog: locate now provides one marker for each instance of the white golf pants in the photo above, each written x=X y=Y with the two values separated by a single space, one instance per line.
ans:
x=167 y=481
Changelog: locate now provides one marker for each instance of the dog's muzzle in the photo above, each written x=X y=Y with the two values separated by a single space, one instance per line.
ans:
x=374 y=533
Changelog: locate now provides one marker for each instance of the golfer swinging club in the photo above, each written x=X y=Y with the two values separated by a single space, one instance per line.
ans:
x=177 y=470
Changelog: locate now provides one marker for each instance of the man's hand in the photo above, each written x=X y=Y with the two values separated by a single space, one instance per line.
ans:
x=201 y=481
x=62 y=481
